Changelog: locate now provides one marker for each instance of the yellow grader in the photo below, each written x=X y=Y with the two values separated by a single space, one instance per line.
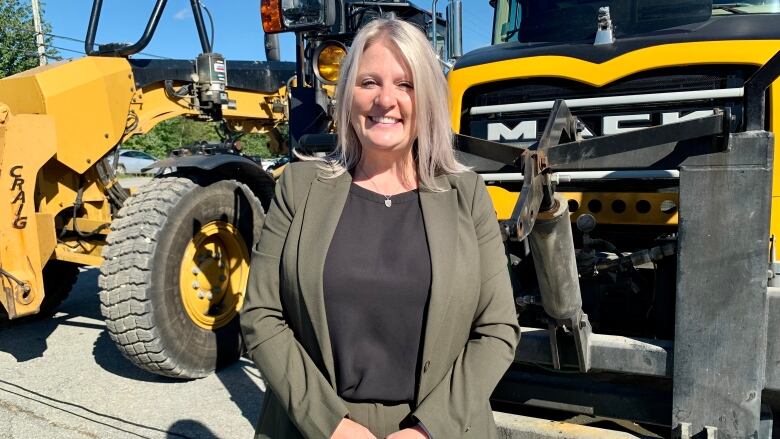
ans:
x=174 y=255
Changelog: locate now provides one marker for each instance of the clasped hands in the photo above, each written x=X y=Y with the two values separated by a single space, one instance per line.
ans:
x=348 y=429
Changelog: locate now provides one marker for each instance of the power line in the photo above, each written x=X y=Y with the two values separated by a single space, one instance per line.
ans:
x=80 y=52
x=75 y=40
x=55 y=58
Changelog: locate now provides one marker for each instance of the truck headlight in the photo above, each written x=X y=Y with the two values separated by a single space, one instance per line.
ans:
x=327 y=61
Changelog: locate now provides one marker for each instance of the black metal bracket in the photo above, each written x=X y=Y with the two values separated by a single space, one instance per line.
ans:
x=124 y=50
x=581 y=154
x=538 y=189
x=755 y=87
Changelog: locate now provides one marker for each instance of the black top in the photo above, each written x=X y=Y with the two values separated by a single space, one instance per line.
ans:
x=376 y=283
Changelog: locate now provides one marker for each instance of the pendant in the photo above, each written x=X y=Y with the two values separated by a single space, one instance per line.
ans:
x=388 y=202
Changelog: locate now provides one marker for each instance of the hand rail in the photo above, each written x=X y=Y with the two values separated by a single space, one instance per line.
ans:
x=154 y=19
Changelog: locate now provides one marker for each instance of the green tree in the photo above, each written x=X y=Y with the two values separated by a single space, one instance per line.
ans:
x=18 y=51
x=180 y=132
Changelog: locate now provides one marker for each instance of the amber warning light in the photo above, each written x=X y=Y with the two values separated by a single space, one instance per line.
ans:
x=271 y=13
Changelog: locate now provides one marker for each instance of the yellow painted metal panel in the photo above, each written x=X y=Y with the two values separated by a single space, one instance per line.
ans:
x=88 y=99
x=774 y=126
x=253 y=112
x=20 y=235
x=47 y=236
x=93 y=259
x=637 y=208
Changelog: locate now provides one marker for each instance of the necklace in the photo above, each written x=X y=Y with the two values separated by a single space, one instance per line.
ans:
x=388 y=201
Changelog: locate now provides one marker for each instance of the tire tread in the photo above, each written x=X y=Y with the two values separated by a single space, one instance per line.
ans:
x=125 y=276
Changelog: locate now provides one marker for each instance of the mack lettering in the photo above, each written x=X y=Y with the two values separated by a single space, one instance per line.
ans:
x=528 y=130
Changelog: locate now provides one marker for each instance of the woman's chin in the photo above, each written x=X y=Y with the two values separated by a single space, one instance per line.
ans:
x=384 y=147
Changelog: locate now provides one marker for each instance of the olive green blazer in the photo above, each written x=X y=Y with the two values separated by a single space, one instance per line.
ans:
x=471 y=328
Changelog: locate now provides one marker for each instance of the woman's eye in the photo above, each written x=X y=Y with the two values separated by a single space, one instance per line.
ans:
x=368 y=83
x=406 y=86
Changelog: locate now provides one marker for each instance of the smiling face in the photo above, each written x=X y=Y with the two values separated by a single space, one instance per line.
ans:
x=383 y=107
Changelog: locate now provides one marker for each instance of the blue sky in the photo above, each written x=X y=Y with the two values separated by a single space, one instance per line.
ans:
x=237 y=24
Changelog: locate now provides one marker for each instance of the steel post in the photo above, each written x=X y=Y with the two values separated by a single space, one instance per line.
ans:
x=721 y=305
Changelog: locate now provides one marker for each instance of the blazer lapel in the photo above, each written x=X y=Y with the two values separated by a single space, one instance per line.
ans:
x=440 y=213
x=325 y=203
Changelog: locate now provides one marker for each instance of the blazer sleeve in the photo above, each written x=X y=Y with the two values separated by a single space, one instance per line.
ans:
x=301 y=388
x=448 y=410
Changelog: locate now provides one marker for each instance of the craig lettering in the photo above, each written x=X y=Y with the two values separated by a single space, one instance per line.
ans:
x=18 y=201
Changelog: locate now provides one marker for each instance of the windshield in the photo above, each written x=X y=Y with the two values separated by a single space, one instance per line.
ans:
x=575 y=20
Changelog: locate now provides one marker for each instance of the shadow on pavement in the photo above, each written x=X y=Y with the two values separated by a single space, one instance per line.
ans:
x=111 y=360
x=236 y=378
x=190 y=428
x=244 y=392
x=26 y=338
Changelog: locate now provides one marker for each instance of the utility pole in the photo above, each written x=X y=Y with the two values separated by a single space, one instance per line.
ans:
x=39 y=32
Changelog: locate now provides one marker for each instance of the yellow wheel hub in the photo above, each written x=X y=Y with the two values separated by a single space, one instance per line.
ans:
x=214 y=274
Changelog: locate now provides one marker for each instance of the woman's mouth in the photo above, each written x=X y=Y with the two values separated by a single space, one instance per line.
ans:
x=384 y=120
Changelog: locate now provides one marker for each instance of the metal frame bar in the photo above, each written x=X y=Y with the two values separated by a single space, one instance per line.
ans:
x=146 y=37
x=652 y=98
x=205 y=44
x=609 y=353
x=138 y=46
x=755 y=87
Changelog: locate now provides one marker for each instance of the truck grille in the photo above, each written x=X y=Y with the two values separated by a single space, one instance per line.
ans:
x=680 y=79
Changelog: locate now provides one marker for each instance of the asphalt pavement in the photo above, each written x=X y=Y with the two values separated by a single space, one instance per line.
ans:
x=62 y=377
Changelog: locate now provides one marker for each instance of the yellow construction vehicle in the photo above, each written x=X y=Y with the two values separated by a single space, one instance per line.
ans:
x=629 y=151
x=174 y=255
x=650 y=125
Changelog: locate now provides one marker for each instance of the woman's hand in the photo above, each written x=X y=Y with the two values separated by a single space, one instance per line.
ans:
x=415 y=432
x=348 y=429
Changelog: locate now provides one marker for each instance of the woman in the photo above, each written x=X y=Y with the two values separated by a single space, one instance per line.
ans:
x=379 y=302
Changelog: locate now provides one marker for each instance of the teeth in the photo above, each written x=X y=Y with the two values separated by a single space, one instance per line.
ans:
x=384 y=119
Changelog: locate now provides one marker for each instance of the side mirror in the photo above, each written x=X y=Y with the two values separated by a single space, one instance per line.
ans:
x=297 y=15
x=454 y=29
x=272 y=47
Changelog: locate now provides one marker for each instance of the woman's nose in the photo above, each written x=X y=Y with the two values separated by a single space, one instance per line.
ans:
x=385 y=97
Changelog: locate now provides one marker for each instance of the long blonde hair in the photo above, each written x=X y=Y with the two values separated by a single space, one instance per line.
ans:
x=434 y=153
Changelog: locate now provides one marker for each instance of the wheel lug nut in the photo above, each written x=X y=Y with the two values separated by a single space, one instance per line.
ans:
x=209 y=296
x=200 y=295
x=216 y=290
x=195 y=285
x=195 y=271
x=222 y=277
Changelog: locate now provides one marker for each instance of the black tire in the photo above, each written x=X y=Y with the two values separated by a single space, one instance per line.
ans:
x=58 y=279
x=141 y=296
